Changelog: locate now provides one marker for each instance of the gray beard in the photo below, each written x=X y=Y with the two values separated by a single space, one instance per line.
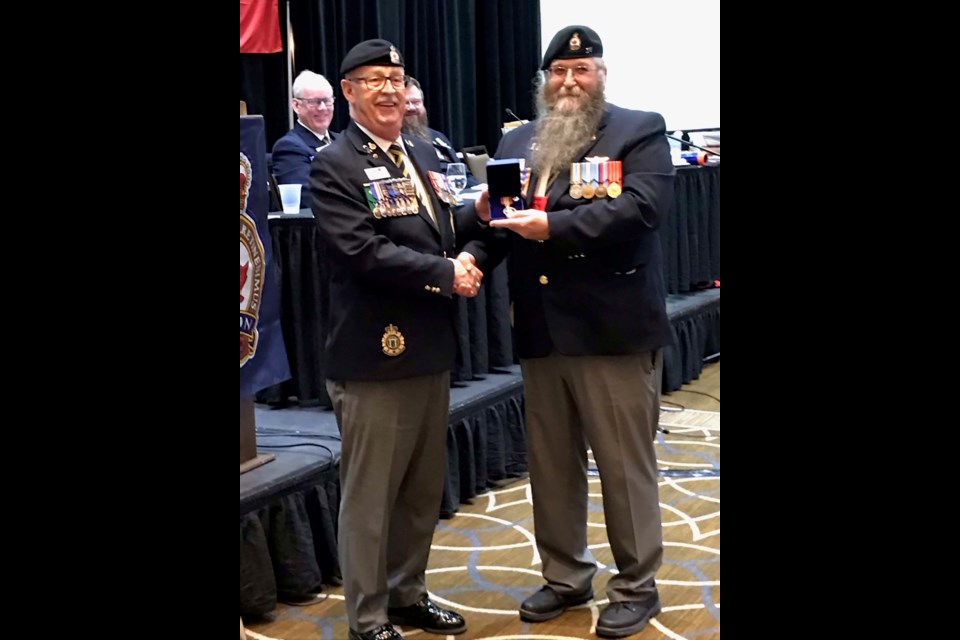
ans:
x=559 y=137
x=417 y=127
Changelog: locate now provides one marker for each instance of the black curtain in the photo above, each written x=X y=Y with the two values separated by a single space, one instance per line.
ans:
x=474 y=58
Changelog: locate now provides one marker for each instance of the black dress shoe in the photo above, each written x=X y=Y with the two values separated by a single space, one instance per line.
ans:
x=383 y=632
x=547 y=604
x=427 y=616
x=621 y=619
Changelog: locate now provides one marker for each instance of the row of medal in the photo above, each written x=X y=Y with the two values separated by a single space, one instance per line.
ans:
x=392 y=197
x=442 y=187
x=596 y=179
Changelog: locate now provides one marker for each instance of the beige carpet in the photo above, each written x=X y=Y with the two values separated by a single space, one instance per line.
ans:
x=484 y=560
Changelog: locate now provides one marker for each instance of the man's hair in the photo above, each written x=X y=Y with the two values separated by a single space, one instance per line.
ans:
x=309 y=80
x=412 y=82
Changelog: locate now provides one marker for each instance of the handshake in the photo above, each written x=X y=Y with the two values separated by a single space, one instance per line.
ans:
x=466 y=276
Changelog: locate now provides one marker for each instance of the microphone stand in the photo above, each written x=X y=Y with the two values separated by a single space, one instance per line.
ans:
x=687 y=142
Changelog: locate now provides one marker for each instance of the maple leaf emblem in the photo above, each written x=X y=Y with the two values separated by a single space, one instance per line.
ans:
x=243 y=277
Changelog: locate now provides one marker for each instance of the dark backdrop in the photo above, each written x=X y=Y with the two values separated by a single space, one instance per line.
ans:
x=474 y=58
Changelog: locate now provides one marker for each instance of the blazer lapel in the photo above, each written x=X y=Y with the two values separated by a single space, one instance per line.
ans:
x=414 y=150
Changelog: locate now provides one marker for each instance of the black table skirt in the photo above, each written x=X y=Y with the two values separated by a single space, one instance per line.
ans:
x=691 y=231
x=304 y=312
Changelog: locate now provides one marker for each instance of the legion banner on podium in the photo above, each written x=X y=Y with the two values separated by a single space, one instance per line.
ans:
x=263 y=358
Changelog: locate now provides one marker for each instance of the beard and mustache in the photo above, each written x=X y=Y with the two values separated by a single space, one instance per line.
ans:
x=567 y=119
x=417 y=125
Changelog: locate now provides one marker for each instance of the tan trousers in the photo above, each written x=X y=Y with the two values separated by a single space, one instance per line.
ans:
x=392 y=467
x=612 y=405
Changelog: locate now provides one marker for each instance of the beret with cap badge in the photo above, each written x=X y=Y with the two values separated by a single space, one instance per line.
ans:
x=371 y=52
x=575 y=41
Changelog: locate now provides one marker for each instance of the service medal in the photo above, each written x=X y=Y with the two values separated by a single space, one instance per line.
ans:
x=576 y=188
x=613 y=190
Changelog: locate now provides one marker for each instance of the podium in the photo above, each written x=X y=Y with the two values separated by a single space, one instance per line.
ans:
x=263 y=358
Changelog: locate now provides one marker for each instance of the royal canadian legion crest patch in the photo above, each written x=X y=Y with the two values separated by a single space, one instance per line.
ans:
x=252 y=269
x=393 y=342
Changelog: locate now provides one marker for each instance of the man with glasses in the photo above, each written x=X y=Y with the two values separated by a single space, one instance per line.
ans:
x=390 y=237
x=292 y=154
x=586 y=279
x=416 y=123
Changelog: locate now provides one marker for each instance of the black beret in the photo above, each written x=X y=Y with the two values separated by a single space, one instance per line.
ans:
x=575 y=41
x=371 y=52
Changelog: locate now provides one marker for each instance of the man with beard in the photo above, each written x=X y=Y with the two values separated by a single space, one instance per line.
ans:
x=590 y=318
x=415 y=123
x=389 y=235
x=292 y=154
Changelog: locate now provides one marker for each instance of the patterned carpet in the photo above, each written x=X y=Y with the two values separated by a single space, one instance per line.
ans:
x=484 y=561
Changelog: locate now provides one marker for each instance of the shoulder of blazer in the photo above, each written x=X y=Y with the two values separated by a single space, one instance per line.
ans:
x=306 y=136
x=357 y=139
x=518 y=140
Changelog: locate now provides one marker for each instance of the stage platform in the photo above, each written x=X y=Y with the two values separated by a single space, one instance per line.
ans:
x=289 y=507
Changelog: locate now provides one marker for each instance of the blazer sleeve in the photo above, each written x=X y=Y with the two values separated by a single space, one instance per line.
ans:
x=291 y=162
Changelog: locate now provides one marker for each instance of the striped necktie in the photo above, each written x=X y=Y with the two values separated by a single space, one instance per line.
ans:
x=397 y=154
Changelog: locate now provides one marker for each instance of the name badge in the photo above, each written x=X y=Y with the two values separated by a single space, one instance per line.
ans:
x=377 y=173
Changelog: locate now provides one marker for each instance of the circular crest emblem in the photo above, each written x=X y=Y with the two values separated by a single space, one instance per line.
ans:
x=252 y=270
x=393 y=342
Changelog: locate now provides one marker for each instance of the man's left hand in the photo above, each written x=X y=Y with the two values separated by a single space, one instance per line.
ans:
x=532 y=224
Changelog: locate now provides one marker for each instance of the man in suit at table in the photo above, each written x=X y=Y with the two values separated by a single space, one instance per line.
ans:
x=390 y=237
x=416 y=123
x=586 y=278
x=292 y=154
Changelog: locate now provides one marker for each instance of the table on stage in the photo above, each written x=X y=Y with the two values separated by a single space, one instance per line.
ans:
x=691 y=231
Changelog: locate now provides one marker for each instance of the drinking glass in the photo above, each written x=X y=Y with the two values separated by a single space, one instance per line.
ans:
x=457 y=177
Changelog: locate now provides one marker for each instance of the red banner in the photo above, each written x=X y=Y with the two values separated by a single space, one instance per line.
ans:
x=259 y=26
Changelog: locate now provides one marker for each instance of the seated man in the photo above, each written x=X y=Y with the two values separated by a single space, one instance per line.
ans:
x=416 y=124
x=292 y=154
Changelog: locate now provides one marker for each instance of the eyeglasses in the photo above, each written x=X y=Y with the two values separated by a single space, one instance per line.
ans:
x=317 y=102
x=580 y=71
x=376 y=83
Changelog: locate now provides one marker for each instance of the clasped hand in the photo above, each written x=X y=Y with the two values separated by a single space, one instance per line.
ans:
x=466 y=276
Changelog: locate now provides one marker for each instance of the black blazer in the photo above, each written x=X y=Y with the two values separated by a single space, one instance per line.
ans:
x=291 y=157
x=385 y=271
x=595 y=287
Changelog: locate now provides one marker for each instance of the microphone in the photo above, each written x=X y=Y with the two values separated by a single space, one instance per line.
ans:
x=514 y=116
x=687 y=142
